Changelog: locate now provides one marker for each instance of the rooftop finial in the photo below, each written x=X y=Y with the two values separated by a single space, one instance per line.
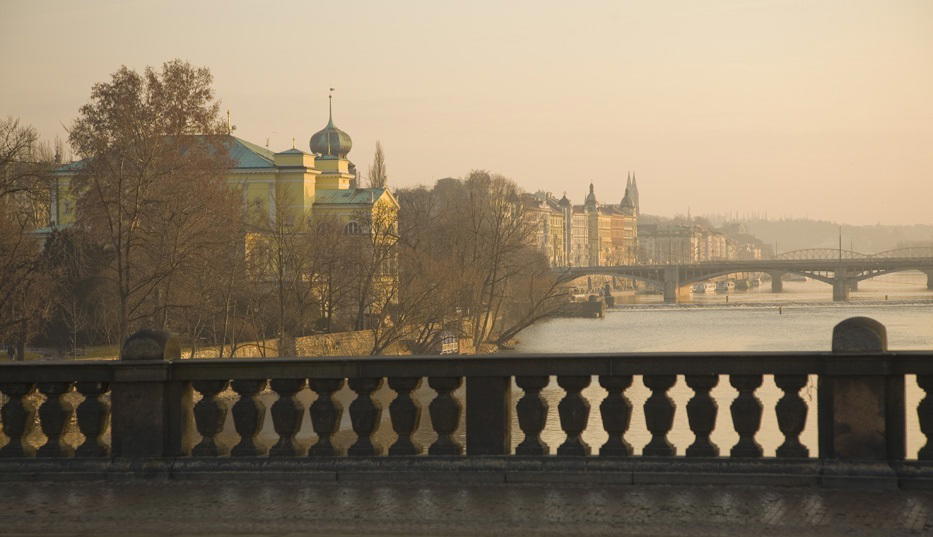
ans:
x=330 y=107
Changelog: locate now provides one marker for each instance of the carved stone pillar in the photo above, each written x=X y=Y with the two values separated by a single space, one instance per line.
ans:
x=406 y=415
x=210 y=414
x=249 y=414
x=93 y=419
x=445 y=415
x=616 y=412
x=791 y=413
x=659 y=415
x=18 y=417
x=55 y=414
x=532 y=415
x=701 y=413
x=365 y=413
x=574 y=412
x=325 y=416
x=746 y=415
x=286 y=412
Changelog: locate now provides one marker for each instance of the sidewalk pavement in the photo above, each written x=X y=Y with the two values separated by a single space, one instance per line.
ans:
x=157 y=507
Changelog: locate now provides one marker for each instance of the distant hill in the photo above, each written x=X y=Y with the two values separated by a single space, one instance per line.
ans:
x=796 y=234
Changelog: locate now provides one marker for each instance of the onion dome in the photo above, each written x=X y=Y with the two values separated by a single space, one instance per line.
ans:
x=564 y=202
x=331 y=141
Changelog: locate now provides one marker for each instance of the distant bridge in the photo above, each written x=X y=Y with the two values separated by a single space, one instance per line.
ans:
x=842 y=269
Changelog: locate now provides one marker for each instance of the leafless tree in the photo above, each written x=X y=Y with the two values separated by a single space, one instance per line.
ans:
x=151 y=185
x=24 y=201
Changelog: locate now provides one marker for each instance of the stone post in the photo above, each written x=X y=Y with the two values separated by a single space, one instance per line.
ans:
x=147 y=405
x=861 y=414
x=488 y=415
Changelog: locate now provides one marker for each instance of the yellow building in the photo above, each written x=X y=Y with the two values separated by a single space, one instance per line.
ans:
x=311 y=183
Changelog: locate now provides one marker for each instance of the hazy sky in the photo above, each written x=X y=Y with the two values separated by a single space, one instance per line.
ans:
x=794 y=108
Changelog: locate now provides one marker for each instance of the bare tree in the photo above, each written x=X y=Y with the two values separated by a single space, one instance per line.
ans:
x=151 y=185
x=377 y=172
x=24 y=200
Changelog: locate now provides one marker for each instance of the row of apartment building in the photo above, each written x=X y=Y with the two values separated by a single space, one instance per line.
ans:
x=595 y=234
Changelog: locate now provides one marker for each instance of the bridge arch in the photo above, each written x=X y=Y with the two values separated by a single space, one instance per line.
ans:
x=807 y=254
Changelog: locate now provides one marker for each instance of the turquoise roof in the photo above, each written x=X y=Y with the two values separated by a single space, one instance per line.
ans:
x=245 y=155
x=249 y=155
x=352 y=196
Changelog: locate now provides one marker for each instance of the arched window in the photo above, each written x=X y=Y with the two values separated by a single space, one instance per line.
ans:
x=352 y=228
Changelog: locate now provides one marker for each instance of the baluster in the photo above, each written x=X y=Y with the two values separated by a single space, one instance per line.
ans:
x=925 y=414
x=93 y=419
x=287 y=412
x=210 y=415
x=701 y=413
x=791 y=415
x=574 y=411
x=532 y=415
x=249 y=413
x=445 y=415
x=325 y=416
x=746 y=415
x=659 y=415
x=18 y=416
x=406 y=415
x=616 y=411
x=55 y=413
x=365 y=413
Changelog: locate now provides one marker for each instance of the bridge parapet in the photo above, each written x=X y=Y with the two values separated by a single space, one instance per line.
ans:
x=153 y=431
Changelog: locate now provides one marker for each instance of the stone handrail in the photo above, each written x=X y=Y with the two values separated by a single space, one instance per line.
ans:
x=147 y=403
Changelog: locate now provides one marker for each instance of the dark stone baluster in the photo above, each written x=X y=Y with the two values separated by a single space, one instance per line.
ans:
x=365 y=414
x=93 y=419
x=746 y=415
x=701 y=413
x=287 y=412
x=55 y=413
x=325 y=416
x=791 y=415
x=532 y=415
x=616 y=411
x=574 y=412
x=18 y=416
x=210 y=414
x=406 y=415
x=659 y=415
x=445 y=415
x=249 y=413
x=925 y=415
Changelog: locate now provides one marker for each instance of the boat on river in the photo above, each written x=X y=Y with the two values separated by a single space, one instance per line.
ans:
x=725 y=286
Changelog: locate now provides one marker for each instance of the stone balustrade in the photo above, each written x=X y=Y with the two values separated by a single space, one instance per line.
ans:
x=146 y=404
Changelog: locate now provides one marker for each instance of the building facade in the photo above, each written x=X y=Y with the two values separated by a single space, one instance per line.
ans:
x=587 y=235
x=293 y=185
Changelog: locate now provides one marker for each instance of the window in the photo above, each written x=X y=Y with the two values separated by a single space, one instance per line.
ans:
x=352 y=228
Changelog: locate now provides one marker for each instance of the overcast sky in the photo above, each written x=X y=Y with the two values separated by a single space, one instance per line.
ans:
x=790 y=108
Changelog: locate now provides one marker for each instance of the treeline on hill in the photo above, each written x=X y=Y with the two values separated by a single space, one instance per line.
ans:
x=161 y=240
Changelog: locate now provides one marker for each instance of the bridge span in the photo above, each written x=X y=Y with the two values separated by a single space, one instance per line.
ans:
x=843 y=273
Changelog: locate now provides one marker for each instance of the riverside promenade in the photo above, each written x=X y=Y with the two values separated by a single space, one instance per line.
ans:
x=179 y=508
